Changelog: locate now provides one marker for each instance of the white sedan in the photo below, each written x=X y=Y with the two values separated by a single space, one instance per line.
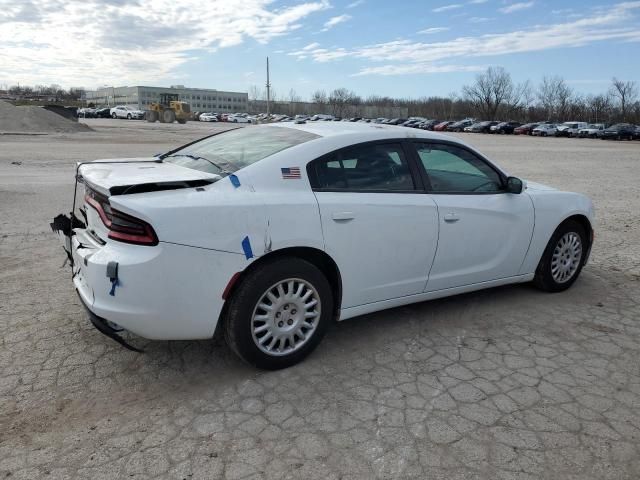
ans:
x=124 y=111
x=238 y=119
x=545 y=130
x=272 y=232
x=208 y=117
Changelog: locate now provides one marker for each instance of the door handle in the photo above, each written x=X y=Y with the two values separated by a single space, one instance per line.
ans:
x=451 y=218
x=342 y=216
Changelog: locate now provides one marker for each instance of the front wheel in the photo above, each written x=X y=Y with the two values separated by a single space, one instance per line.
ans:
x=279 y=313
x=563 y=258
x=114 y=116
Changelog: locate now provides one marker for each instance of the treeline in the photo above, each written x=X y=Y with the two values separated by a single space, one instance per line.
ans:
x=54 y=92
x=492 y=96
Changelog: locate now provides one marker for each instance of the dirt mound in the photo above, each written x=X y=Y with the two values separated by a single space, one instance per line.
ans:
x=35 y=120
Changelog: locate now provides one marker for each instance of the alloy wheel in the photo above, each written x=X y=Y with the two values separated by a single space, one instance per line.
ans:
x=566 y=257
x=285 y=317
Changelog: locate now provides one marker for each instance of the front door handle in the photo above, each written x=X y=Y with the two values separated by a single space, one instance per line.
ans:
x=342 y=216
x=451 y=218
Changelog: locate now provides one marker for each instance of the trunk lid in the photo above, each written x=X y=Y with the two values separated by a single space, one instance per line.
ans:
x=106 y=178
x=139 y=175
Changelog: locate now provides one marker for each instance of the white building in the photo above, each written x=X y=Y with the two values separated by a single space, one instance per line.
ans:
x=200 y=99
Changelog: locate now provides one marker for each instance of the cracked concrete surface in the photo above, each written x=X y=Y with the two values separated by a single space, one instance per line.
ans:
x=508 y=383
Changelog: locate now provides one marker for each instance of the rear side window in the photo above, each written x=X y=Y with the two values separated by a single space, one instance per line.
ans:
x=369 y=167
x=236 y=149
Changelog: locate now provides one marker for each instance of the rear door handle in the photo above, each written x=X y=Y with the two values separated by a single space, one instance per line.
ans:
x=451 y=218
x=342 y=216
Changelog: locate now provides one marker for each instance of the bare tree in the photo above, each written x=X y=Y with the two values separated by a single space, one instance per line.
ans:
x=339 y=99
x=555 y=97
x=599 y=107
x=319 y=97
x=492 y=92
x=625 y=92
x=255 y=93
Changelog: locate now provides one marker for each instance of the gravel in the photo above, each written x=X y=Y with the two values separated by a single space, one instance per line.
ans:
x=35 y=120
x=507 y=383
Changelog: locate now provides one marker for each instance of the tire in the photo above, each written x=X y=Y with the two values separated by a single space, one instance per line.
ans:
x=169 y=116
x=244 y=305
x=182 y=121
x=560 y=244
x=114 y=116
x=128 y=116
x=151 y=116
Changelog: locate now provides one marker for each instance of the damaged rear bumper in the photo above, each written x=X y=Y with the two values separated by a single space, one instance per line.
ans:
x=163 y=292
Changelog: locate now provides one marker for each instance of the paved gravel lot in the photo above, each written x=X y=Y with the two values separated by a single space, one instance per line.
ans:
x=505 y=383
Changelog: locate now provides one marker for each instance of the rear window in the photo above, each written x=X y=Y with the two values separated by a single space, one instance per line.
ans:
x=235 y=149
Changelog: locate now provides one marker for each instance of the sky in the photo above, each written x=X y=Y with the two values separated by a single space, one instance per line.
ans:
x=400 y=48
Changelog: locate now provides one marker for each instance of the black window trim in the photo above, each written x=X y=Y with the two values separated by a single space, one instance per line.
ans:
x=409 y=154
x=482 y=158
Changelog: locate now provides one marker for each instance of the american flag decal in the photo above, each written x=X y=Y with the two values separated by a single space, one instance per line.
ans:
x=290 y=173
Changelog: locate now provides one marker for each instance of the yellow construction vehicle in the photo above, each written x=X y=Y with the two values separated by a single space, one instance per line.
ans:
x=168 y=109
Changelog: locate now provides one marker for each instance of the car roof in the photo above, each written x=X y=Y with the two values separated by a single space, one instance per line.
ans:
x=367 y=131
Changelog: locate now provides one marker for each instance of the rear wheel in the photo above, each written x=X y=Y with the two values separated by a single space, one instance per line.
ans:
x=182 y=120
x=563 y=258
x=168 y=116
x=151 y=116
x=113 y=115
x=279 y=313
x=128 y=116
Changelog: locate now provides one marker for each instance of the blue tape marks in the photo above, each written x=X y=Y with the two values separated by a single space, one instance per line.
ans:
x=114 y=284
x=246 y=246
x=235 y=181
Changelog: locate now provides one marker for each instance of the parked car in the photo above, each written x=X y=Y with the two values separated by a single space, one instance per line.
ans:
x=505 y=127
x=103 y=112
x=124 y=111
x=526 y=129
x=545 y=130
x=429 y=124
x=459 y=126
x=592 y=130
x=619 y=131
x=273 y=284
x=569 y=129
x=442 y=126
x=208 y=117
x=238 y=119
x=482 y=127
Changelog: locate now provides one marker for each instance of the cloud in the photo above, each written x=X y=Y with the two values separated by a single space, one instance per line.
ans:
x=446 y=8
x=388 y=70
x=96 y=42
x=429 y=31
x=405 y=56
x=477 y=2
x=516 y=7
x=478 y=19
x=333 y=21
x=311 y=46
x=355 y=4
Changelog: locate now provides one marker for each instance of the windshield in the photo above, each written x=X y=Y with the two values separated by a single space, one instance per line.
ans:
x=230 y=151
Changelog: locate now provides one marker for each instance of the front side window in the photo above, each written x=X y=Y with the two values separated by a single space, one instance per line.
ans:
x=452 y=169
x=235 y=149
x=377 y=167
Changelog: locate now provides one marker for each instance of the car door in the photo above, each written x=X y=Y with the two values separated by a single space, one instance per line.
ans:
x=484 y=231
x=378 y=223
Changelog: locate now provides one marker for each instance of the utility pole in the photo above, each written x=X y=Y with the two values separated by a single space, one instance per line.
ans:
x=268 y=87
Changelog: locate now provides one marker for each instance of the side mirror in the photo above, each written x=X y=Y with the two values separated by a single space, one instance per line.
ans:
x=515 y=185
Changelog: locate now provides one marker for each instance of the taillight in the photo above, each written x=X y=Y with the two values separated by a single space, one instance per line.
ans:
x=122 y=227
x=126 y=228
